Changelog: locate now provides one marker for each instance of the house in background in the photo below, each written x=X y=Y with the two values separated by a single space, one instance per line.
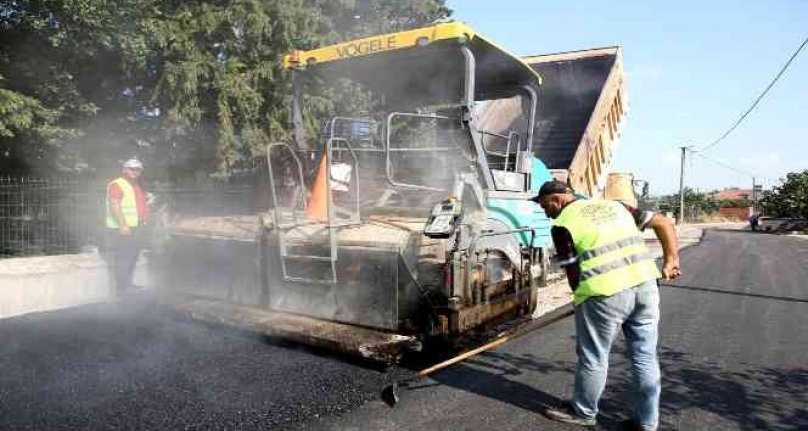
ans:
x=735 y=203
x=732 y=194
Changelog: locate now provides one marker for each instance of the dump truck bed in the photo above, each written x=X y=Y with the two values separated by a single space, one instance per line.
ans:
x=581 y=105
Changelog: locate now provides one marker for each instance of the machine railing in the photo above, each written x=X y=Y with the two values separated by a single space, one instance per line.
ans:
x=390 y=150
x=334 y=130
x=511 y=137
x=298 y=198
x=355 y=216
x=287 y=219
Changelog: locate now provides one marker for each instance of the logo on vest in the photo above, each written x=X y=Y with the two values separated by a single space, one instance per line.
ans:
x=599 y=213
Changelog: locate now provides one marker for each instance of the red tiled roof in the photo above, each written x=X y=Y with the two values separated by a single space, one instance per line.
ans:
x=730 y=194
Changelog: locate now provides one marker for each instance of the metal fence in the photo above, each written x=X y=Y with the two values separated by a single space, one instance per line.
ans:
x=42 y=217
x=62 y=216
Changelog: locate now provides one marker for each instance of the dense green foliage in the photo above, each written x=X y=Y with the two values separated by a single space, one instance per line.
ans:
x=193 y=86
x=789 y=199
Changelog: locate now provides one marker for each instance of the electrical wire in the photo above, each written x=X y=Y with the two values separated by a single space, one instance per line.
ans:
x=759 y=98
x=722 y=164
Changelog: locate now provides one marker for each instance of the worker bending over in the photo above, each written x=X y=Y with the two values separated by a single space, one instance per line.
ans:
x=613 y=277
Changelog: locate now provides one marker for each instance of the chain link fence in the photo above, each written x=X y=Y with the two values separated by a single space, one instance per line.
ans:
x=62 y=216
x=48 y=216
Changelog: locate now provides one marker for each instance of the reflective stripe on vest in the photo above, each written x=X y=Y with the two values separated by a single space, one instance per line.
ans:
x=611 y=253
x=617 y=245
x=615 y=264
x=128 y=204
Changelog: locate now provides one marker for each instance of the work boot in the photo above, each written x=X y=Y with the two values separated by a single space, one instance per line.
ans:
x=633 y=425
x=568 y=415
x=630 y=425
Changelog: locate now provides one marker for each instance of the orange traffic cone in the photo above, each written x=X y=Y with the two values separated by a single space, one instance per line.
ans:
x=317 y=207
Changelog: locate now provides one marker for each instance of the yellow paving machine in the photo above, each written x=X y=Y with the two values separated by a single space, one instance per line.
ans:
x=399 y=209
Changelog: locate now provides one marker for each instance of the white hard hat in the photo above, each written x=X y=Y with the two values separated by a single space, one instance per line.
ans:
x=133 y=164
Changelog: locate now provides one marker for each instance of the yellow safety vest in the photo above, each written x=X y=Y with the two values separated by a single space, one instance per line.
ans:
x=611 y=252
x=128 y=204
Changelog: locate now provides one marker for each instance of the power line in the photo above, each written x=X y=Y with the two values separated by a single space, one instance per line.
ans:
x=766 y=182
x=732 y=168
x=759 y=98
x=740 y=171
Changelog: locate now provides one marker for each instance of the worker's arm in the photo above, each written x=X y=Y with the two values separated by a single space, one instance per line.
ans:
x=566 y=256
x=665 y=231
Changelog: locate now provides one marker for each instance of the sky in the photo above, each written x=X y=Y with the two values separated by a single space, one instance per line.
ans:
x=692 y=69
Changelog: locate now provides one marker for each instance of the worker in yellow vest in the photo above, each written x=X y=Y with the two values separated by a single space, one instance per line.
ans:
x=127 y=211
x=614 y=283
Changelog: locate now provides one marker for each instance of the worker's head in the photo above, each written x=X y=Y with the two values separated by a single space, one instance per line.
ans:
x=132 y=169
x=553 y=197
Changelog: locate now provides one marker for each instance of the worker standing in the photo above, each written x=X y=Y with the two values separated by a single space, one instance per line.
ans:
x=613 y=278
x=126 y=214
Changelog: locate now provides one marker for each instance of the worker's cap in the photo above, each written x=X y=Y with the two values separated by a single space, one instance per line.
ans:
x=551 y=188
x=133 y=164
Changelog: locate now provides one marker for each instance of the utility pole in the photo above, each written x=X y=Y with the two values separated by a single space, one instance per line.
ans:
x=682 y=188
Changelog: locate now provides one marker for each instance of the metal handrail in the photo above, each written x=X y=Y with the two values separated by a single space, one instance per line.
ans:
x=388 y=149
x=296 y=222
x=335 y=120
x=354 y=173
x=275 y=204
x=330 y=225
x=509 y=138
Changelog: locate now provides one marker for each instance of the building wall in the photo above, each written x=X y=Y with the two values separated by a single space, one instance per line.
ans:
x=739 y=213
x=732 y=194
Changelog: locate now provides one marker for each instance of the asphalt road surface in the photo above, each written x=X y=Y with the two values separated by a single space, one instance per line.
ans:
x=734 y=351
x=131 y=366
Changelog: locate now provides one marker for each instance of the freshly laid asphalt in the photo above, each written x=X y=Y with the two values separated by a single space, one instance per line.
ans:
x=733 y=347
x=131 y=366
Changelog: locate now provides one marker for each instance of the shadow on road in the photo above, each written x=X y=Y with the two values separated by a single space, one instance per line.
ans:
x=493 y=373
x=696 y=395
x=724 y=291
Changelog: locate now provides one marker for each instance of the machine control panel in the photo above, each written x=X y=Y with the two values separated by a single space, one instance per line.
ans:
x=443 y=219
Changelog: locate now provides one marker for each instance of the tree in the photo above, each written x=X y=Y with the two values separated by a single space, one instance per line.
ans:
x=220 y=63
x=25 y=119
x=66 y=65
x=195 y=86
x=789 y=199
